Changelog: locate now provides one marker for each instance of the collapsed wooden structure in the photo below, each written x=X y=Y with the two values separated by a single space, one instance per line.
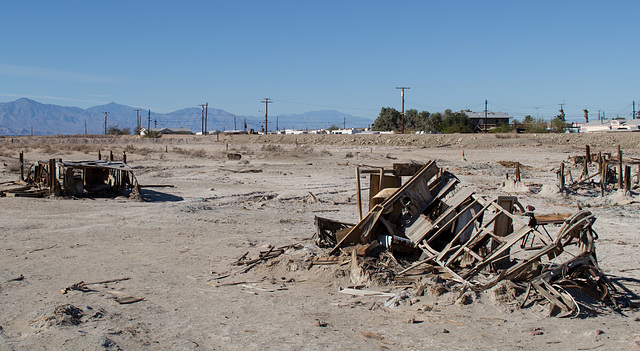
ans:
x=600 y=170
x=99 y=178
x=432 y=221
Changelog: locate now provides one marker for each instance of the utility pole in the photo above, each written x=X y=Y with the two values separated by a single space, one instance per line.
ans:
x=155 y=123
x=85 y=127
x=138 y=120
x=634 y=110
x=344 y=122
x=277 y=118
x=105 y=122
x=485 y=116
x=266 y=102
x=402 y=93
x=202 y=130
x=245 y=124
x=206 y=117
x=149 y=121
x=235 y=127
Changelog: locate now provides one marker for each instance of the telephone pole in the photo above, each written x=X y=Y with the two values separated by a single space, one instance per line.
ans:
x=206 y=117
x=634 y=110
x=149 y=121
x=266 y=102
x=138 y=120
x=105 y=122
x=202 y=130
x=485 y=115
x=402 y=93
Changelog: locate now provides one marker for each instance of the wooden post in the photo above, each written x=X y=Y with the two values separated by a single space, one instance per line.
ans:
x=111 y=156
x=358 y=193
x=627 y=179
x=604 y=175
x=562 y=176
x=585 y=170
x=52 y=175
x=21 y=165
x=381 y=179
x=517 y=171
x=124 y=157
x=638 y=180
x=619 y=154
x=620 y=175
x=587 y=150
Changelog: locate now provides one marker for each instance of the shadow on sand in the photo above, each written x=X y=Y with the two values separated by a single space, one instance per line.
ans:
x=156 y=196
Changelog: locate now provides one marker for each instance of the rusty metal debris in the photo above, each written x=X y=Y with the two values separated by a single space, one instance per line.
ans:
x=74 y=179
x=433 y=226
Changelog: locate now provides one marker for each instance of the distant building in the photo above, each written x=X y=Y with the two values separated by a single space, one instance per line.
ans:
x=493 y=120
x=181 y=130
x=346 y=131
x=614 y=125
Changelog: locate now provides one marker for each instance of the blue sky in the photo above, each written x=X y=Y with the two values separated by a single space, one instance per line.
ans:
x=524 y=57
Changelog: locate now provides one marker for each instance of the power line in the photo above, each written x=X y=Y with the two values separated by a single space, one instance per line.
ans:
x=331 y=106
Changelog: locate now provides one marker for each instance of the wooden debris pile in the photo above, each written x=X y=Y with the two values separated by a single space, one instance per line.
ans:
x=74 y=179
x=600 y=171
x=432 y=226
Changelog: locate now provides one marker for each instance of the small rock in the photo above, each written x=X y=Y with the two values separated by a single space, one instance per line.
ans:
x=599 y=332
x=536 y=332
x=444 y=331
x=465 y=299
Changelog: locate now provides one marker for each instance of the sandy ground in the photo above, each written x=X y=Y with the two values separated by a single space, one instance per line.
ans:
x=174 y=245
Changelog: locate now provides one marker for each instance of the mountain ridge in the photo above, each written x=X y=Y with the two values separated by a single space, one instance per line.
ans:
x=18 y=117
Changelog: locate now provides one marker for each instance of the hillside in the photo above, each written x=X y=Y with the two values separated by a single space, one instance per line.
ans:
x=20 y=116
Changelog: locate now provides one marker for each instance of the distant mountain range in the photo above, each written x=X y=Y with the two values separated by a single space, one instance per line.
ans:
x=19 y=117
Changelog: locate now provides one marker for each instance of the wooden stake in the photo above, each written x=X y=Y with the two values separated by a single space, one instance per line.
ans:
x=588 y=153
x=99 y=155
x=603 y=176
x=358 y=193
x=124 y=157
x=21 y=165
x=517 y=171
x=562 y=176
x=620 y=176
x=111 y=156
x=627 y=179
x=52 y=175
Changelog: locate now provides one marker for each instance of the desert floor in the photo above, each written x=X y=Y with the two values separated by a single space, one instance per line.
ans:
x=173 y=245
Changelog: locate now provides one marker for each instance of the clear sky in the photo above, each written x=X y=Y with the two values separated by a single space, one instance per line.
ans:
x=524 y=57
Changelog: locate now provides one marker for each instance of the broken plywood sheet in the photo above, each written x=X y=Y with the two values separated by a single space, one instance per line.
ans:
x=412 y=195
